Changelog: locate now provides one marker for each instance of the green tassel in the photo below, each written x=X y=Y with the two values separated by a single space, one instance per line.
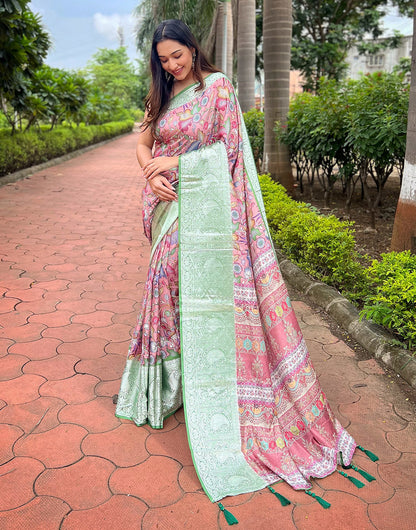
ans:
x=367 y=476
x=355 y=481
x=370 y=455
x=321 y=501
x=283 y=500
x=229 y=517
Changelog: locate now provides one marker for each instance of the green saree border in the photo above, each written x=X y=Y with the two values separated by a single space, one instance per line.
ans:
x=207 y=325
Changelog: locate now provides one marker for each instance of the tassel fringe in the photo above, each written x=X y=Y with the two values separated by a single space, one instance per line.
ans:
x=355 y=481
x=362 y=472
x=283 y=500
x=321 y=501
x=370 y=455
x=229 y=517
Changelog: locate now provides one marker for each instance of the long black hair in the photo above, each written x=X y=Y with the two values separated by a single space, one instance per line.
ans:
x=161 y=86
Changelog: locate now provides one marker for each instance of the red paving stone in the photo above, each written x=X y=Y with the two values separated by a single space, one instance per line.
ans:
x=57 y=447
x=71 y=281
x=82 y=485
x=76 y=389
x=163 y=492
x=120 y=511
x=35 y=416
x=42 y=513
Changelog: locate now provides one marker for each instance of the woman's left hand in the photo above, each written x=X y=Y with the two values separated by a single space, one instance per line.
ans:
x=159 y=165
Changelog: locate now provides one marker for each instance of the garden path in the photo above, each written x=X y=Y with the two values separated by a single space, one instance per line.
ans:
x=73 y=263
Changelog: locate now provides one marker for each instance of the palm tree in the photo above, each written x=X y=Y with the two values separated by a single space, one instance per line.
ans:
x=277 y=36
x=404 y=230
x=224 y=38
x=246 y=51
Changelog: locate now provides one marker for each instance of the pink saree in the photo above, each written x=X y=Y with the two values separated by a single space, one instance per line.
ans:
x=223 y=328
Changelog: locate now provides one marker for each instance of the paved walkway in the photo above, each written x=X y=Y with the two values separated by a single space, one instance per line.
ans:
x=73 y=262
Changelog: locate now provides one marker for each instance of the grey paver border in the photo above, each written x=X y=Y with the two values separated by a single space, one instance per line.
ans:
x=27 y=171
x=372 y=337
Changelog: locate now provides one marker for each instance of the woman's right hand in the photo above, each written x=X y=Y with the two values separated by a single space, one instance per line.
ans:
x=163 y=189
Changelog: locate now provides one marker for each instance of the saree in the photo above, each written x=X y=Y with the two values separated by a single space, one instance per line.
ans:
x=217 y=332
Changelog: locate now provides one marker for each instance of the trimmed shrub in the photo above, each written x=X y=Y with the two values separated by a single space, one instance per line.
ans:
x=392 y=302
x=34 y=147
x=323 y=246
x=254 y=120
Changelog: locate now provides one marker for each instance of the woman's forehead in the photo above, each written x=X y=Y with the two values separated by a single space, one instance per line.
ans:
x=168 y=46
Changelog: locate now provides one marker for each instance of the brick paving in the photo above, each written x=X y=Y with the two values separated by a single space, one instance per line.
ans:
x=73 y=263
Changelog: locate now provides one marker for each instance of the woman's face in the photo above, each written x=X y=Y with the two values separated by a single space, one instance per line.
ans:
x=176 y=59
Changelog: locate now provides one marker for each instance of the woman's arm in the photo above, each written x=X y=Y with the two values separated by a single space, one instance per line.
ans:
x=159 y=184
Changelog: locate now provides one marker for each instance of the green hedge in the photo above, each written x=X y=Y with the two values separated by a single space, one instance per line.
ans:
x=324 y=247
x=34 y=147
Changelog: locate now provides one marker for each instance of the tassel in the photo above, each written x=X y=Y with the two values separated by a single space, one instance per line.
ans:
x=355 y=481
x=229 y=517
x=367 y=476
x=283 y=500
x=321 y=501
x=370 y=455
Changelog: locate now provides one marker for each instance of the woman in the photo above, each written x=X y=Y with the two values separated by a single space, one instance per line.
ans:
x=223 y=327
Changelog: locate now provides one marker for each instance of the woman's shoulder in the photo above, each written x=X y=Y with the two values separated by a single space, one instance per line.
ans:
x=217 y=79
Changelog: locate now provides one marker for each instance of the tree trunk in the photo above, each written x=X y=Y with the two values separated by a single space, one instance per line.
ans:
x=277 y=37
x=224 y=47
x=404 y=229
x=246 y=53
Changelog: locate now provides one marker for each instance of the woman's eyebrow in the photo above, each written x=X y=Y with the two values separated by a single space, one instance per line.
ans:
x=171 y=53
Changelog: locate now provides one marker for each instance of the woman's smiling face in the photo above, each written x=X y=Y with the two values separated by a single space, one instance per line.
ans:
x=176 y=59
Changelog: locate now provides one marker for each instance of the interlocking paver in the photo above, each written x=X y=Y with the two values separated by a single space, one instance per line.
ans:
x=163 y=492
x=96 y=416
x=76 y=389
x=53 y=369
x=8 y=436
x=57 y=447
x=125 y=445
x=16 y=481
x=82 y=485
x=35 y=416
x=71 y=283
x=120 y=511
x=42 y=513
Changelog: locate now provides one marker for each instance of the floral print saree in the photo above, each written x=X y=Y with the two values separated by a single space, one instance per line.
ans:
x=217 y=330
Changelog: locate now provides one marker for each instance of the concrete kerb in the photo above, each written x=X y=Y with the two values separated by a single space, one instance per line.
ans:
x=372 y=337
x=26 y=172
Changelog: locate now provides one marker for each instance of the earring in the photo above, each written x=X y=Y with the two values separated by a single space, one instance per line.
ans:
x=168 y=76
x=193 y=61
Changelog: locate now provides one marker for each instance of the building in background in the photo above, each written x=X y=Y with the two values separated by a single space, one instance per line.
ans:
x=384 y=60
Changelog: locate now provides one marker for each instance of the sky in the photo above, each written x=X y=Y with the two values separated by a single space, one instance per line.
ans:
x=78 y=28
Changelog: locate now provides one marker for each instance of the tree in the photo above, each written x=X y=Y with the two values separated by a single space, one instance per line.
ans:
x=277 y=33
x=404 y=229
x=24 y=44
x=323 y=32
x=112 y=73
x=246 y=51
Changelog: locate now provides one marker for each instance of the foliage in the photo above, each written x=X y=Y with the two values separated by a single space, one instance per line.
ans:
x=197 y=14
x=324 y=31
x=392 y=302
x=111 y=72
x=24 y=44
x=54 y=94
x=349 y=130
x=30 y=148
x=254 y=121
x=322 y=246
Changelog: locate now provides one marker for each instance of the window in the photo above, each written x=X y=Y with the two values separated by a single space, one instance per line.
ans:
x=375 y=60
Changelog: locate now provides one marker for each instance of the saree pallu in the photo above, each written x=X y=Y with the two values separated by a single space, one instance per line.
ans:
x=254 y=410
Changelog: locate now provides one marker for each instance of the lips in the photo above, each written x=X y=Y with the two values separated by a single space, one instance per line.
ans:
x=177 y=72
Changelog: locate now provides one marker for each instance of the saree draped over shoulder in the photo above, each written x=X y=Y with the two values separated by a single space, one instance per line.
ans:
x=217 y=326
